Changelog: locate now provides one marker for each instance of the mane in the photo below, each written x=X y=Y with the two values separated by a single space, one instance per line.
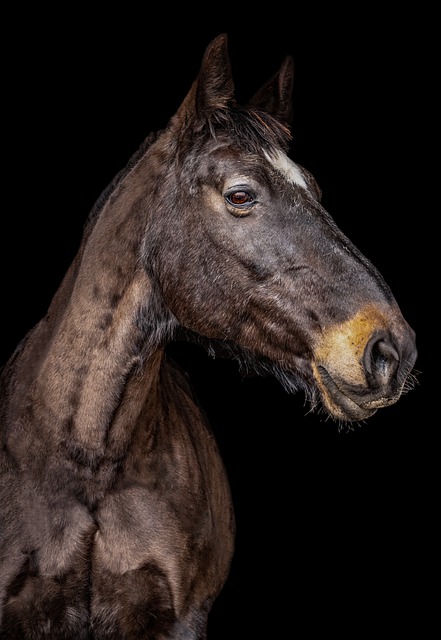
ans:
x=107 y=192
x=97 y=208
x=251 y=128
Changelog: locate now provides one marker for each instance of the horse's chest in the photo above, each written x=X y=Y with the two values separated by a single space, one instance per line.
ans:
x=136 y=526
x=132 y=563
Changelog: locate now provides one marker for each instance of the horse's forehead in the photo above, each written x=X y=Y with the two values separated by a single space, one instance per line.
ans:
x=284 y=165
x=278 y=160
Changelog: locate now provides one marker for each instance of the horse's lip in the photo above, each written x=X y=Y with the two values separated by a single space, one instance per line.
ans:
x=340 y=403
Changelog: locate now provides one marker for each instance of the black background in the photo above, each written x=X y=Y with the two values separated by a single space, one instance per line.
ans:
x=336 y=528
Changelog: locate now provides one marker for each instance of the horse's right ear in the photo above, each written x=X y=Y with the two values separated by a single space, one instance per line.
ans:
x=275 y=96
x=213 y=88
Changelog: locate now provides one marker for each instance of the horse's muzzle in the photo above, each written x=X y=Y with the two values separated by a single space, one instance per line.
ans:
x=361 y=366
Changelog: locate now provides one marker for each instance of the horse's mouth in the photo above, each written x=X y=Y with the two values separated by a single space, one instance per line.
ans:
x=342 y=404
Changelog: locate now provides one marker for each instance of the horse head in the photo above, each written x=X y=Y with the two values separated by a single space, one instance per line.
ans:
x=250 y=262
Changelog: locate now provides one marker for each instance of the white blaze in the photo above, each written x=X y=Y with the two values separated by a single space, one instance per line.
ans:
x=288 y=168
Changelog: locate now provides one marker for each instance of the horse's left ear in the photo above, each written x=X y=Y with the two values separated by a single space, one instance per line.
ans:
x=213 y=88
x=275 y=96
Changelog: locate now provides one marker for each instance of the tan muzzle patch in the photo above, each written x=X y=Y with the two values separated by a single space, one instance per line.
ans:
x=342 y=346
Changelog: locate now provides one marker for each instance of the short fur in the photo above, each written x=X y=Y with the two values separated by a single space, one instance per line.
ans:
x=116 y=516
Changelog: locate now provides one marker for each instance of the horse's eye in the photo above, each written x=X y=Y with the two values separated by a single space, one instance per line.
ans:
x=240 y=201
x=239 y=198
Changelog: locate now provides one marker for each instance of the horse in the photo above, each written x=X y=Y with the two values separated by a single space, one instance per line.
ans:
x=117 y=519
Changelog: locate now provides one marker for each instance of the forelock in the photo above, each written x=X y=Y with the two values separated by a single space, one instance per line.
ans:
x=251 y=128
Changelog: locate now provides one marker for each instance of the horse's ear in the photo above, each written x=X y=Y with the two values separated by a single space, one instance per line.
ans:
x=275 y=96
x=213 y=88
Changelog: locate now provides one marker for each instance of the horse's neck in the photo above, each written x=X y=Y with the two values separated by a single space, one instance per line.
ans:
x=76 y=368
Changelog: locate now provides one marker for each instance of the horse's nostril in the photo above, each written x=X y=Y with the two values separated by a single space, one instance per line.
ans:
x=381 y=359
